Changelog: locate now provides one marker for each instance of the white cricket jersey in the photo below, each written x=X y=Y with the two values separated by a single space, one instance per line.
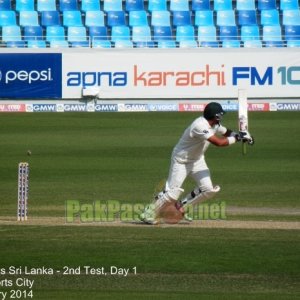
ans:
x=194 y=141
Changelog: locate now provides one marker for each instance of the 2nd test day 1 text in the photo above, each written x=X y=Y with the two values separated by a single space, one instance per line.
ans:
x=66 y=270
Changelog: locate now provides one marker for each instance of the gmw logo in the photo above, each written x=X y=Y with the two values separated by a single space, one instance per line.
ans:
x=26 y=76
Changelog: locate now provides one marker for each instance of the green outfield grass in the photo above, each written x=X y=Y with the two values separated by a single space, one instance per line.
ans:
x=183 y=263
x=125 y=157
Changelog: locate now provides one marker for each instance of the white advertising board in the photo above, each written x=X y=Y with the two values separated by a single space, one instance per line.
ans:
x=182 y=73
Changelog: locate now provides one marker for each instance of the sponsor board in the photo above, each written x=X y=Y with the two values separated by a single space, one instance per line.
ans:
x=201 y=106
x=288 y=106
x=163 y=107
x=60 y=107
x=12 y=107
x=30 y=75
x=106 y=107
x=273 y=106
x=66 y=107
x=128 y=75
x=191 y=106
x=258 y=107
x=138 y=107
x=90 y=107
x=43 y=107
x=230 y=107
x=29 y=107
x=74 y=107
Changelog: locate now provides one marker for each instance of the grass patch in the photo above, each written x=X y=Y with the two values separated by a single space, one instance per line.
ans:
x=182 y=261
x=252 y=217
x=126 y=157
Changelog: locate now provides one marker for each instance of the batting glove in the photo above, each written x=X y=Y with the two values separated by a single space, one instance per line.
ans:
x=246 y=137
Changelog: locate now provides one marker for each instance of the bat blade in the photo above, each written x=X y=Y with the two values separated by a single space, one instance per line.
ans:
x=243 y=115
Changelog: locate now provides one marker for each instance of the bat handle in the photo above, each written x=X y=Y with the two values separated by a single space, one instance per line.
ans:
x=244 y=148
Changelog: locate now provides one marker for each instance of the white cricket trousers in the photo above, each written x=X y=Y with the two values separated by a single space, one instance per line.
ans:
x=197 y=170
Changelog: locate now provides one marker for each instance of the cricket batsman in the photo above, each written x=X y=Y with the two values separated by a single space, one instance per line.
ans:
x=188 y=159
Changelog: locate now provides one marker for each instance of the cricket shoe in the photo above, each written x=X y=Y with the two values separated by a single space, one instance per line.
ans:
x=149 y=215
x=186 y=216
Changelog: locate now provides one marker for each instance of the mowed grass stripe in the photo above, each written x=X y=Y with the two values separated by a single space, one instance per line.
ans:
x=185 y=262
x=206 y=250
x=125 y=157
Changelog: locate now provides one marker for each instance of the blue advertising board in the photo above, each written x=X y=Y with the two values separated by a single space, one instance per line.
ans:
x=31 y=75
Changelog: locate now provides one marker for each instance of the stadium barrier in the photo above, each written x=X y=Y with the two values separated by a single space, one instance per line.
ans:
x=149 y=74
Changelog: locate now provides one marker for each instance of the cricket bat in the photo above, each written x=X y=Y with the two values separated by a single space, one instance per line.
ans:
x=243 y=115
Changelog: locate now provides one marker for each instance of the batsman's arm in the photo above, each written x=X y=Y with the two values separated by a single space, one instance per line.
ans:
x=230 y=132
x=243 y=136
x=223 y=141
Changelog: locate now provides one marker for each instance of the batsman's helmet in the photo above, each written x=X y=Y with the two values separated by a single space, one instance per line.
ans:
x=213 y=110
